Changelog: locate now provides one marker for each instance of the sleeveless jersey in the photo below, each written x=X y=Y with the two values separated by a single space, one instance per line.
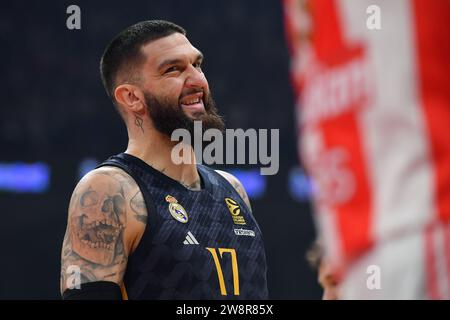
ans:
x=197 y=244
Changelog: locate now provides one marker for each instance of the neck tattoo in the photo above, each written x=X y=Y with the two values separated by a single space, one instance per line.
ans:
x=138 y=122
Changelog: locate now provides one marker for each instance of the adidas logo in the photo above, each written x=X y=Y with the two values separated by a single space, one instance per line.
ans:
x=190 y=239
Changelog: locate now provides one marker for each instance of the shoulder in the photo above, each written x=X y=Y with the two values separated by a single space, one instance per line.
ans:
x=110 y=185
x=237 y=185
x=229 y=177
x=106 y=218
x=110 y=173
x=109 y=194
x=108 y=181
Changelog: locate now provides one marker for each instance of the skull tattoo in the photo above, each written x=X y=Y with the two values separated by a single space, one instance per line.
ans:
x=97 y=226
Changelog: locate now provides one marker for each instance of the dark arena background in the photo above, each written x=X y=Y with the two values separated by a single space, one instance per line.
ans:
x=57 y=123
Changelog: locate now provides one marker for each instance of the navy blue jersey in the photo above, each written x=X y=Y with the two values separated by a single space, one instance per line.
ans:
x=196 y=244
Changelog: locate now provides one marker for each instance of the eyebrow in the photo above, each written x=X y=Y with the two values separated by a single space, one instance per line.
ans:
x=169 y=62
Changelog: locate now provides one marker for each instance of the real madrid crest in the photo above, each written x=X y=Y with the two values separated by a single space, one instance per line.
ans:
x=176 y=210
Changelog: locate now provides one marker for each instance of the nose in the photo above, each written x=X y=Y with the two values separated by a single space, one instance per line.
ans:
x=196 y=78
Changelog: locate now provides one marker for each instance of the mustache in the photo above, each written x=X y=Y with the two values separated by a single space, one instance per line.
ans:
x=193 y=91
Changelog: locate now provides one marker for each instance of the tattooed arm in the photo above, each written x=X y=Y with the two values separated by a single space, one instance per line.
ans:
x=237 y=185
x=107 y=217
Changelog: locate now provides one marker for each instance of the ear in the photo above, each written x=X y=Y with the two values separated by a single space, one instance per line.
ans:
x=131 y=98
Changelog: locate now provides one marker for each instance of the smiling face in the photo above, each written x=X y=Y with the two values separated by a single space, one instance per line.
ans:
x=173 y=70
x=175 y=87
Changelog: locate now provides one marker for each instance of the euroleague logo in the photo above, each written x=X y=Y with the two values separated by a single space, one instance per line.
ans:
x=235 y=211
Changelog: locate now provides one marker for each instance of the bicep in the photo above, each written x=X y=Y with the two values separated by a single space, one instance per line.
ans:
x=94 y=247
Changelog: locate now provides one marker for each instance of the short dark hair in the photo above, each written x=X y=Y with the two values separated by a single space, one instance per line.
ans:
x=124 y=54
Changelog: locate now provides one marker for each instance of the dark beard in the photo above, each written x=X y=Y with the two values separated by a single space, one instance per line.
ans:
x=167 y=116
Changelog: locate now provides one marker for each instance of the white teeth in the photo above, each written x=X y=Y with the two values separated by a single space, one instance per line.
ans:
x=106 y=222
x=98 y=244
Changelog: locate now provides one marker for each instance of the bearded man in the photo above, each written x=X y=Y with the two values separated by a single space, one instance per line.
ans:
x=141 y=226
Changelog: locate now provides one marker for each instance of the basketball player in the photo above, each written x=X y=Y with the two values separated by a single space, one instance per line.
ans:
x=141 y=226
x=372 y=79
